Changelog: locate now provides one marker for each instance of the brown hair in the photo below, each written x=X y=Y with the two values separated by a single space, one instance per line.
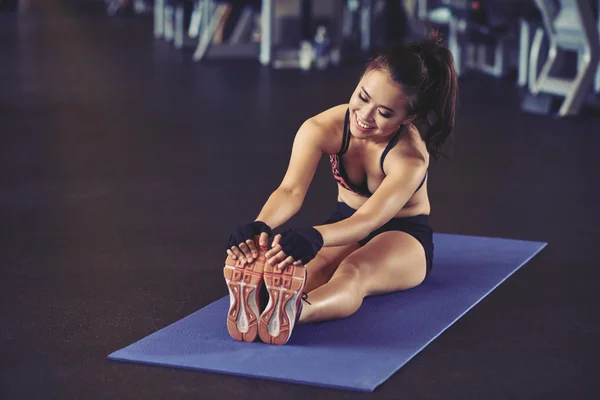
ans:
x=425 y=69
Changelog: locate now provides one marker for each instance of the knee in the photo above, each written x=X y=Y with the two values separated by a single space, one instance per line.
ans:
x=317 y=263
x=350 y=276
x=349 y=271
x=318 y=267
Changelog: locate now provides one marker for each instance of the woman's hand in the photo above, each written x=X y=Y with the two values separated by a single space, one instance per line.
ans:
x=277 y=257
x=246 y=251
x=294 y=247
x=242 y=245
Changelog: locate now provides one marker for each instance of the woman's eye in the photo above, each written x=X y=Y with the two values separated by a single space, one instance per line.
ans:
x=384 y=115
x=362 y=98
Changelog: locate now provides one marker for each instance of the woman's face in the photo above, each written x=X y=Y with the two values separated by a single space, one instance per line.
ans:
x=377 y=106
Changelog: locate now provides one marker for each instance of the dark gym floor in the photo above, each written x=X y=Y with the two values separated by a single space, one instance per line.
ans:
x=124 y=165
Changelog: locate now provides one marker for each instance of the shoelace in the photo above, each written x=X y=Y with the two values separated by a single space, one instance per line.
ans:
x=305 y=298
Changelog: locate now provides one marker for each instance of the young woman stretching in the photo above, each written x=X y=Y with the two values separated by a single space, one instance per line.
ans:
x=378 y=240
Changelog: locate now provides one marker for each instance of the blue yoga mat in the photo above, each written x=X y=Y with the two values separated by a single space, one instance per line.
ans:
x=356 y=353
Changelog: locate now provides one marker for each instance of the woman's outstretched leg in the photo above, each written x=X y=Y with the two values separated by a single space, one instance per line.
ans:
x=391 y=262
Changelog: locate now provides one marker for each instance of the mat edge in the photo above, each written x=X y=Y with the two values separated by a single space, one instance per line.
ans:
x=363 y=389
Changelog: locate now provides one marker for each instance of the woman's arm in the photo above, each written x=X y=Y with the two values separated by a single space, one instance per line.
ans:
x=403 y=176
x=316 y=136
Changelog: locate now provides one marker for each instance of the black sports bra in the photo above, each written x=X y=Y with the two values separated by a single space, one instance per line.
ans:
x=337 y=167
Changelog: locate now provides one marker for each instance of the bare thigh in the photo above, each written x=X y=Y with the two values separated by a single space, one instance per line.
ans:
x=390 y=262
x=323 y=266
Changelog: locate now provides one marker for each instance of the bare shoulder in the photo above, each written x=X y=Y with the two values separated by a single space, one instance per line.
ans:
x=410 y=151
x=328 y=128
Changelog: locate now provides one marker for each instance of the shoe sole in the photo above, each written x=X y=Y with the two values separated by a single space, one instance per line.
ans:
x=244 y=283
x=285 y=293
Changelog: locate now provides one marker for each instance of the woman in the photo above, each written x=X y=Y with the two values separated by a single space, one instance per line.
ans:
x=378 y=240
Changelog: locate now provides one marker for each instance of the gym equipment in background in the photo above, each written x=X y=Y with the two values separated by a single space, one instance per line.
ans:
x=569 y=28
x=481 y=34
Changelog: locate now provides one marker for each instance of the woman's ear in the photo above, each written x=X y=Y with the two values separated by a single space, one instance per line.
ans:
x=409 y=119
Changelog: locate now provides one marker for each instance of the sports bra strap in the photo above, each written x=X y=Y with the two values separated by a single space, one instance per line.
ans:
x=346 y=137
x=422 y=182
x=389 y=146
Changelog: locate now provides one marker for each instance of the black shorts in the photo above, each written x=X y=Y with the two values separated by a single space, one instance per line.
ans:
x=417 y=226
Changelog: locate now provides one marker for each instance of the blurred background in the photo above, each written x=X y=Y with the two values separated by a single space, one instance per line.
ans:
x=135 y=134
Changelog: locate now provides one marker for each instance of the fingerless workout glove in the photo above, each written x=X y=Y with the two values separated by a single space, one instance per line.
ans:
x=247 y=232
x=302 y=244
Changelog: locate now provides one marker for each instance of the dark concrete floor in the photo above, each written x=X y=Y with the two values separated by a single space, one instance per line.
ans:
x=123 y=166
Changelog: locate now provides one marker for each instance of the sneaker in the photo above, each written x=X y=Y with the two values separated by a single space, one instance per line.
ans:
x=285 y=289
x=244 y=283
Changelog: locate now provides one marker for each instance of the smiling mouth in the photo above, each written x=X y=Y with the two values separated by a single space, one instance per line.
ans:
x=362 y=124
